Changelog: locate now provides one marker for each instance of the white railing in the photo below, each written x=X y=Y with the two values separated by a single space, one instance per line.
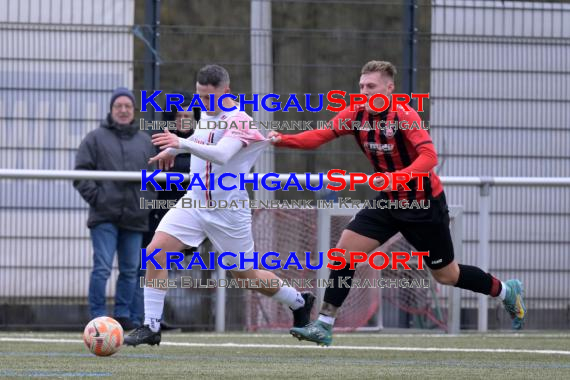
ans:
x=484 y=183
x=136 y=176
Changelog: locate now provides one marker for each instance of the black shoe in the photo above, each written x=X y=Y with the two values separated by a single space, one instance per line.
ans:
x=302 y=316
x=143 y=335
x=126 y=323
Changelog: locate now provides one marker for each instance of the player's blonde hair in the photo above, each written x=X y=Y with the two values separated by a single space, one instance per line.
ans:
x=385 y=68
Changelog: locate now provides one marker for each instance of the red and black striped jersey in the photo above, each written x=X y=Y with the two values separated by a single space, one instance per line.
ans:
x=393 y=141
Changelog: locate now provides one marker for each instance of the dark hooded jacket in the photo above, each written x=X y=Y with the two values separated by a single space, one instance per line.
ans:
x=117 y=148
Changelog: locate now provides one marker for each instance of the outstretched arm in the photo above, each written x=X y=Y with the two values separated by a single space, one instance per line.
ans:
x=341 y=125
x=219 y=154
x=303 y=140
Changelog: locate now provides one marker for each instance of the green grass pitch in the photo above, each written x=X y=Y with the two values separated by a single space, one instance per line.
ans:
x=279 y=356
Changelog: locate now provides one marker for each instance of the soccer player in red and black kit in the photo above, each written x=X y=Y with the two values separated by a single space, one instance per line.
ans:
x=394 y=150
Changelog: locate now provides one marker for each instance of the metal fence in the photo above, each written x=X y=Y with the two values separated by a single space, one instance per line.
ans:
x=50 y=261
x=499 y=107
x=497 y=73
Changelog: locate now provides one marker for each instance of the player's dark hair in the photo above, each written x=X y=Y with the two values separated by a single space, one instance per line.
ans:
x=196 y=111
x=215 y=75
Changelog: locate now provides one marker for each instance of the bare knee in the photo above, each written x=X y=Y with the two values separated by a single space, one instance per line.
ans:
x=159 y=257
x=164 y=243
x=351 y=241
x=448 y=275
x=445 y=279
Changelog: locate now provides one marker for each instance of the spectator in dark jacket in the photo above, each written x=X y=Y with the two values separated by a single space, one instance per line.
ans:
x=116 y=220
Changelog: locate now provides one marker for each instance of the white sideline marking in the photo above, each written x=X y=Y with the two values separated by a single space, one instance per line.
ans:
x=381 y=335
x=312 y=347
x=356 y=335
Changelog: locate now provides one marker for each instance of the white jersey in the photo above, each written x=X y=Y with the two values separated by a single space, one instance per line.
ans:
x=234 y=124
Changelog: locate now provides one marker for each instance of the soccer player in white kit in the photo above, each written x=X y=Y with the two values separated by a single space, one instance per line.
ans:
x=218 y=151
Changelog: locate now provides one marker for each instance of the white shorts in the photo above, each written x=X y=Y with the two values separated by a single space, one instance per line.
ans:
x=228 y=230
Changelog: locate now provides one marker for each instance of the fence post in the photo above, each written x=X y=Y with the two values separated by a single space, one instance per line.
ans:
x=151 y=59
x=323 y=243
x=410 y=43
x=454 y=305
x=262 y=79
x=484 y=248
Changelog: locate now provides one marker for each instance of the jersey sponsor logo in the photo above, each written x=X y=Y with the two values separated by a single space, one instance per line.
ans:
x=375 y=147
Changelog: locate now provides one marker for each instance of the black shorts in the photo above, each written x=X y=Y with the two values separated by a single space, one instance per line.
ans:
x=425 y=230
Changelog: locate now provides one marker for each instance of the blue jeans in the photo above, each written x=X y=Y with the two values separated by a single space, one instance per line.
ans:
x=107 y=239
x=137 y=306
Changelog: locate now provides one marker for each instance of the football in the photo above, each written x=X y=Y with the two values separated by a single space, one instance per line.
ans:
x=103 y=336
